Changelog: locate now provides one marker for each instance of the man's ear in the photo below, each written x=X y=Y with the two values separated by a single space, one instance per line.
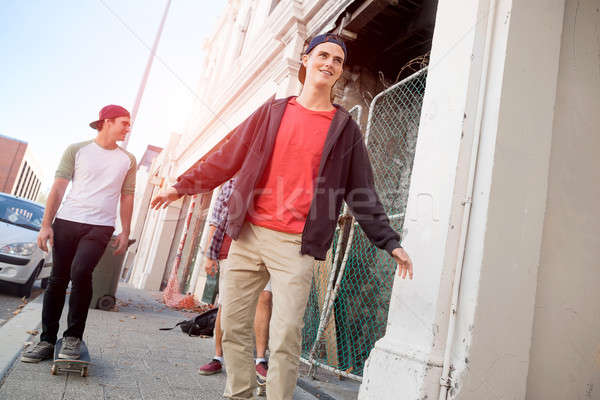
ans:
x=305 y=60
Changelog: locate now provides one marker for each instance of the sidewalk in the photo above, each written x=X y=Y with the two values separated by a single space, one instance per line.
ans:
x=131 y=358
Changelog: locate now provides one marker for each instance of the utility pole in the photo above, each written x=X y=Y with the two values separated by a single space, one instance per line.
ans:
x=140 y=93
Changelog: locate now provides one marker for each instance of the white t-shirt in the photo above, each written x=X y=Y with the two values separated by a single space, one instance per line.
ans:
x=98 y=177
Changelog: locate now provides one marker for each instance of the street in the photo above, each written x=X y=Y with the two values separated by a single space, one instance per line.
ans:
x=10 y=303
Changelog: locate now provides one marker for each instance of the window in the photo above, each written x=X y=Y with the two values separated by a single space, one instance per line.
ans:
x=18 y=187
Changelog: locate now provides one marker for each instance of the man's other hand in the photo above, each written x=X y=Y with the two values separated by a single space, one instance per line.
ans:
x=46 y=234
x=164 y=198
x=405 y=266
x=120 y=244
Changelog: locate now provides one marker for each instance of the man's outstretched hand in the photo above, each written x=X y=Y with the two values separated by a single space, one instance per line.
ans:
x=405 y=266
x=164 y=198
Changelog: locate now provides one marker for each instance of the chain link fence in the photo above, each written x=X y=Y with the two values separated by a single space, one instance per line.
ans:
x=349 y=299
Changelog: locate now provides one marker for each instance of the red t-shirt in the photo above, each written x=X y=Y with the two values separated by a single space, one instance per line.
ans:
x=284 y=193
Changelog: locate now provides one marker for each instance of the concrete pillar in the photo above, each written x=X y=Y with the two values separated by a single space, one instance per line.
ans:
x=142 y=204
x=144 y=245
x=502 y=256
x=487 y=119
x=151 y=260
x=565 y=350
x=158 y=229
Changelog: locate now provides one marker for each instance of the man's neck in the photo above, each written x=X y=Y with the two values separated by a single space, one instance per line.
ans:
x=105 y=142
x=315 y=99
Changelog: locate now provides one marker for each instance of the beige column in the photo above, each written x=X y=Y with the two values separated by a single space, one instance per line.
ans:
x=476 y=203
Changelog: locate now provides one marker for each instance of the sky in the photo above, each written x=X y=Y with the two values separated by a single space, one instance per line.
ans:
x=61 y=61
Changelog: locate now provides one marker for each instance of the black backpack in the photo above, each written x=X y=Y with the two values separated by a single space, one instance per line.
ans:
x=202 y=325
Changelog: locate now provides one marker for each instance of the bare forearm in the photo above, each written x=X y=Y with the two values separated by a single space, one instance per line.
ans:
x=126 y=212
x=53 y=202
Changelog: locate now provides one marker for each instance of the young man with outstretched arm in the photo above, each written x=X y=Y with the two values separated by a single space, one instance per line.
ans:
x=218 y=249
x=297 y=160
x=101 y=173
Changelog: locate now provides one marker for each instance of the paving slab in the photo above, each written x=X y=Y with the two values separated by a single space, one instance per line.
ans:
x=131 y=357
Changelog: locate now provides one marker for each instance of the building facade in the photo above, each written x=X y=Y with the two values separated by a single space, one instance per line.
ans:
x=20 y=173
x=500 y=215
x=500 y=203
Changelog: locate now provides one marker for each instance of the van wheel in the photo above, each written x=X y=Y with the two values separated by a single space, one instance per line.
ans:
x=24 y=290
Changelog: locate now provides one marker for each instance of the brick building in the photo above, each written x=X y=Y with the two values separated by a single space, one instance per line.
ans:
x=20 y=173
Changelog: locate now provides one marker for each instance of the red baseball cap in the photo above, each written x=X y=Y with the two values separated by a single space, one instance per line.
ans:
x=109 y=112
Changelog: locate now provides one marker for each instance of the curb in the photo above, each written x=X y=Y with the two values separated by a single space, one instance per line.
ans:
x=14 y=335
x=313 y=390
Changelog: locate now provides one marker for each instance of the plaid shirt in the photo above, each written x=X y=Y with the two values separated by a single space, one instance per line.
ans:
x=219 y=218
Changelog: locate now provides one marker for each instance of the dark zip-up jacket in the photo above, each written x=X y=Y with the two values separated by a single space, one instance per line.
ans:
x=345 y=174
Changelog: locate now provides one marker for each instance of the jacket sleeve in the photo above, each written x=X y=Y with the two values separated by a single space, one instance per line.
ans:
x=224 y=163
x=363 y=200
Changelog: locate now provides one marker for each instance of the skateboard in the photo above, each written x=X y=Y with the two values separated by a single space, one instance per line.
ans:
x=80 y=364
x=261 y=389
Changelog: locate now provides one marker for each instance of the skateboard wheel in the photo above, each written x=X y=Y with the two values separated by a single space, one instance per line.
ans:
x=106 y=302
x=53 y=370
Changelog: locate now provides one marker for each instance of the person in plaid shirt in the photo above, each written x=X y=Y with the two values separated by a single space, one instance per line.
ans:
x=218 y=249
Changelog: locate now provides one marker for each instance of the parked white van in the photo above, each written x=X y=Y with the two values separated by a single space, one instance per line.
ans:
x=21 y=261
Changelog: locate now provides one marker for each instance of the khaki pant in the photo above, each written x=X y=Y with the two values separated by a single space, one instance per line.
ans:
x=260 y=253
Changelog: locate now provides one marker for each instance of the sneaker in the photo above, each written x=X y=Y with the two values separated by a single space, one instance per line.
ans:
x=213 y=367
x=41 y=351
x=261 y=371
x=70 y=349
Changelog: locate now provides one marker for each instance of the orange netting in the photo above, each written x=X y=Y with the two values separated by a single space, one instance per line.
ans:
x=171 y=295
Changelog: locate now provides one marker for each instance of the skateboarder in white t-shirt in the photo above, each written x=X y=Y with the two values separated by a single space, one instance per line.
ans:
x=101 y=174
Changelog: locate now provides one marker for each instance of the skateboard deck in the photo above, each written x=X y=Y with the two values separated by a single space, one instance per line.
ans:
x=79 y=365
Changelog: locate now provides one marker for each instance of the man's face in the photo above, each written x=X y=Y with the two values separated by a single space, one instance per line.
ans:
x=118 y=128
x=324 y=65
